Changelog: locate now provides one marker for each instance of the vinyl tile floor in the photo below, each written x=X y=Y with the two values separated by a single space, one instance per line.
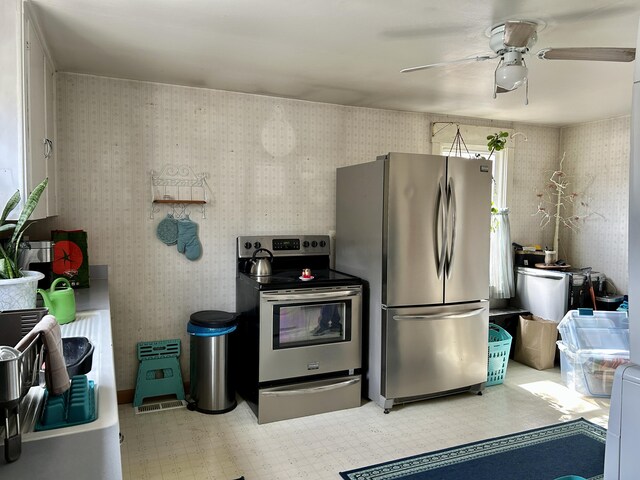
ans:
x=180 y=444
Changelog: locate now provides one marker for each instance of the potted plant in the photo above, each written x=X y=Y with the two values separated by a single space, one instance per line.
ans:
x=17 y=287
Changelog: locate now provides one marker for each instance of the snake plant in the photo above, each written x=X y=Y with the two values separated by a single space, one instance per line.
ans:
x=9 y=251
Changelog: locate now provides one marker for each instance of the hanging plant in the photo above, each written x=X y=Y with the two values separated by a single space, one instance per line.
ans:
x=496 y=142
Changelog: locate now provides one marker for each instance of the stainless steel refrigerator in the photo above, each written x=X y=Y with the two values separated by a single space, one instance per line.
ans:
x=416 y=229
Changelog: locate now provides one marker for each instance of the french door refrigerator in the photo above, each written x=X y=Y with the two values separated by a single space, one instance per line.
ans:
x=416 y=229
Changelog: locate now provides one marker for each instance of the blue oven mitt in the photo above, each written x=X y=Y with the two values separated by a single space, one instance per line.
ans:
x=167 y=230
x=188 y=242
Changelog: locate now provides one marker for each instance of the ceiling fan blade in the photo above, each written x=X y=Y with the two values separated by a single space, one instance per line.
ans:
x=596 y=54
x=479 y=58
x=502 y=90
x=518 y=33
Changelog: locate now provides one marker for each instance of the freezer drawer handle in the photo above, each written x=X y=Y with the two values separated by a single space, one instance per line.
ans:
x=278 y=297
x=305 y=391
x=549 y=277
x=468 y=313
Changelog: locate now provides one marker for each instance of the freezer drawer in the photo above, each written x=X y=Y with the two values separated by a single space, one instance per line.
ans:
x=430 y=350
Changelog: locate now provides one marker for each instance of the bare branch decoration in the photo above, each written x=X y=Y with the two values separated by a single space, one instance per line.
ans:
x=555 y=199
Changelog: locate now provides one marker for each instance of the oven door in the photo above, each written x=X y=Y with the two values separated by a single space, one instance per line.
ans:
x=309 y=331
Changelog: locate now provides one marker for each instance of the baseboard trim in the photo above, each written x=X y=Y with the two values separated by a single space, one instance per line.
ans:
x=125 y=396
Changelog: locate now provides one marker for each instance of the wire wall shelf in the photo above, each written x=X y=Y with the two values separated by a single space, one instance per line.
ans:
x=178 y=188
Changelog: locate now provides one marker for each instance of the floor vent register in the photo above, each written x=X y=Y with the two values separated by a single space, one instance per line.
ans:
x=160 y=406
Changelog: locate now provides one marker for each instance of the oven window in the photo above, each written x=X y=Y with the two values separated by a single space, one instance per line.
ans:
x=311 y=324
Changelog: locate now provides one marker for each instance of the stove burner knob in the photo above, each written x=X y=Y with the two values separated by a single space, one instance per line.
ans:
x=314 y=244
x=305 y=244
x=323 y=243
x=247 y=245
x=257 y=244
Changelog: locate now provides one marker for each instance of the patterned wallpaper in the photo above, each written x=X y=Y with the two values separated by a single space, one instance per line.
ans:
x=272 y=163
x=597 y=164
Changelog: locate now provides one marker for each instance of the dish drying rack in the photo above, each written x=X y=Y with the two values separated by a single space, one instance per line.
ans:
x=16 y=323
x=179 y=188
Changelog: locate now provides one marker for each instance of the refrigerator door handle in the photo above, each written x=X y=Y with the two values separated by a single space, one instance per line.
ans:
x=451 y=210
x=442 y=213
x=464 y=314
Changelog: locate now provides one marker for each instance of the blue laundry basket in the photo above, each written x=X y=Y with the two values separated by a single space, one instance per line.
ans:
x=499 y=347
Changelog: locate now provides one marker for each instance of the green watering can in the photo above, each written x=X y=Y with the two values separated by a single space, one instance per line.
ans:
x=61 y=303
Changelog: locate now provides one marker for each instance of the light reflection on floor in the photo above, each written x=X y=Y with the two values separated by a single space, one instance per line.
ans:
x=567 y=401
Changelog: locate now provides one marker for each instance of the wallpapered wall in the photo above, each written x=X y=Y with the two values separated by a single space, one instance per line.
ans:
x=272 y=163
x=597 y=165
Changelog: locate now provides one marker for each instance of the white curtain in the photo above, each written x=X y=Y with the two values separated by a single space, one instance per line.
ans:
x=501 y=282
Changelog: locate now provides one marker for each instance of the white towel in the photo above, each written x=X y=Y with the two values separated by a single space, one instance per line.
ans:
x=56 y=376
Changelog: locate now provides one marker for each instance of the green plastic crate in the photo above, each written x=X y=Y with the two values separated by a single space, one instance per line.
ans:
x=499 y=347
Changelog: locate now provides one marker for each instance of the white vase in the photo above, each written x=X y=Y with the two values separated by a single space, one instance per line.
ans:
x=18 y=293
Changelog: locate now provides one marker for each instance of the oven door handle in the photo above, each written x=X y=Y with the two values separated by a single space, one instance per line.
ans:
x=466 y=313
x=303 y=391
x=277 y=297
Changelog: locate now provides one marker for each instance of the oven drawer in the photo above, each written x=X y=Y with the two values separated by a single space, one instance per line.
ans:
x=309 y=398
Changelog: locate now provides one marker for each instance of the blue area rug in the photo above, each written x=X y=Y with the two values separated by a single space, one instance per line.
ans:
x=571 y=448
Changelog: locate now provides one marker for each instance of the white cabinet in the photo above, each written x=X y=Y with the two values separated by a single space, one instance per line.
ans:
x=27 y=110
x=39 y=107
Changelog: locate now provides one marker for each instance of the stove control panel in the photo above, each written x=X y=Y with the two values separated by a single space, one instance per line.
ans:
x=284 y=245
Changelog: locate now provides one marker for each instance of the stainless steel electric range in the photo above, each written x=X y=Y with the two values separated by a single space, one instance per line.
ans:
x=298 y=347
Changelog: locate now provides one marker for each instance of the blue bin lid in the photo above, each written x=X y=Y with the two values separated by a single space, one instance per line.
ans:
x=198 y=331
x=214 y=319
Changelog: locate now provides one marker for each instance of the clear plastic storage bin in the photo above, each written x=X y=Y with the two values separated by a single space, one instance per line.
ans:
x=593 y=345
x=599 y=330
x=589 y=372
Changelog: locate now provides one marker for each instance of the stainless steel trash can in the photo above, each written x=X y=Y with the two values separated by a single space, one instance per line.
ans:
x=212 y=388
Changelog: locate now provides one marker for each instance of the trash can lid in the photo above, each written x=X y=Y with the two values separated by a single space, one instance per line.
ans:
x=214 y=319
x=198 y=331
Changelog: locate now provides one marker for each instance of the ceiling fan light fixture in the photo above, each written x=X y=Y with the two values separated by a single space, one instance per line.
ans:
x=511 y=76
x=512 y=71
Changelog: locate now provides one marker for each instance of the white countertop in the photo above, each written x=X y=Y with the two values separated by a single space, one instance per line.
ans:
x=92 y=449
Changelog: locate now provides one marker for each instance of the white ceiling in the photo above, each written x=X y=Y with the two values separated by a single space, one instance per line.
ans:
x=350 y=52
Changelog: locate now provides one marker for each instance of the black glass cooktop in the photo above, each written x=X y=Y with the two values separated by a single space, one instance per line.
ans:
x=292 y=279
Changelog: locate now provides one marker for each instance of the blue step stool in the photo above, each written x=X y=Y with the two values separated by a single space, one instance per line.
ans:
x=159 y=370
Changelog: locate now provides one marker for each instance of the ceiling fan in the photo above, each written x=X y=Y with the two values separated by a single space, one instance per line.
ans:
x=511 y=40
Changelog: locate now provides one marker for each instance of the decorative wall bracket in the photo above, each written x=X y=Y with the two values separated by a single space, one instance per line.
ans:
x=179 y=188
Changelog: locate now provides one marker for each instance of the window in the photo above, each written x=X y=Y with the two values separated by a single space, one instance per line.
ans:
x=475 y=138
x=499 y=191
